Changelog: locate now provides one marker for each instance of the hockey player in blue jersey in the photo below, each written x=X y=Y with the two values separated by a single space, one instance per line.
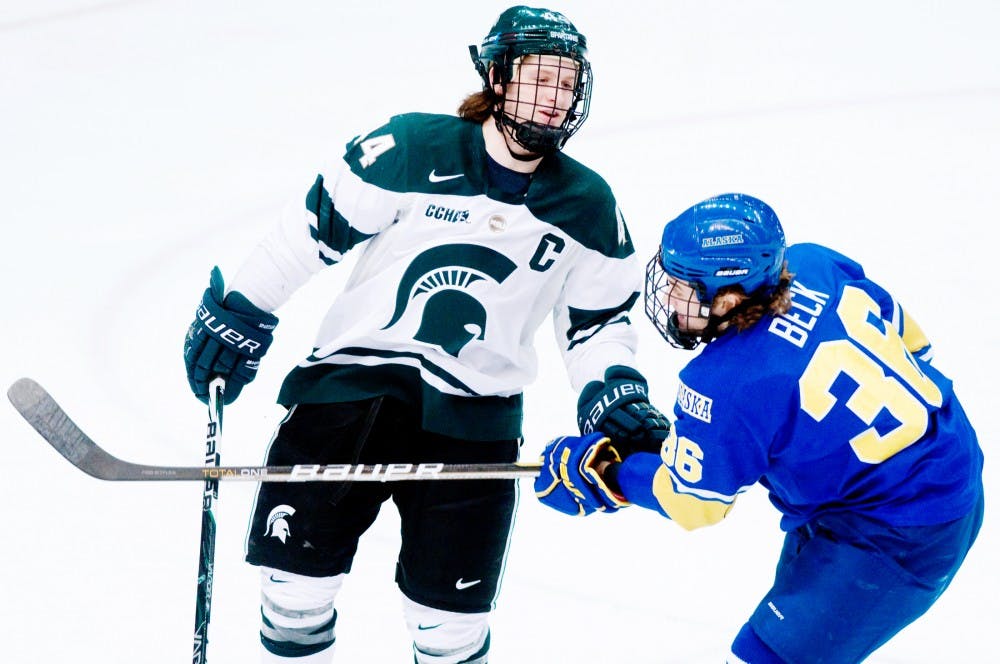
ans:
x=813 y=381
x=472 y=231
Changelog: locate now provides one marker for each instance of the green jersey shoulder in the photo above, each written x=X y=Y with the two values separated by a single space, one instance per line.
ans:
x=436 y=153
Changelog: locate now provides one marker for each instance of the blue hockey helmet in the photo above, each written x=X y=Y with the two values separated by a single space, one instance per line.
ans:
x=521 y=31
x=727 y=240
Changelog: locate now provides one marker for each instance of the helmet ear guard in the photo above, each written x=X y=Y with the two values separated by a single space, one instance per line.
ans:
x=728 y=240
x=483 y=67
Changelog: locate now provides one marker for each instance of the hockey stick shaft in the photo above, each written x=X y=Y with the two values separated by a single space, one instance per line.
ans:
x=206 y=548
x=43 y=413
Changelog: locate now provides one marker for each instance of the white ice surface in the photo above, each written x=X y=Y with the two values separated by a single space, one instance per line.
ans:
x=143 y=141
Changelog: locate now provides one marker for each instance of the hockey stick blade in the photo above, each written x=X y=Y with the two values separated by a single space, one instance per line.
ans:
x=43 y=413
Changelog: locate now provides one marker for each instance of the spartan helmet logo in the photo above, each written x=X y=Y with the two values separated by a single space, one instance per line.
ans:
x=447 y=312
x=441 y=277
x=276 y=524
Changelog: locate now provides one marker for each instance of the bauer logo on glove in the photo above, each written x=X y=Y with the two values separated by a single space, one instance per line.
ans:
x=228 y=334
x=228 y=337
x=616 y=396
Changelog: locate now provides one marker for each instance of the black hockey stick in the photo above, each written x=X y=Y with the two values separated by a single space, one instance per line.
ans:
x=43 y=413
x=206 y=548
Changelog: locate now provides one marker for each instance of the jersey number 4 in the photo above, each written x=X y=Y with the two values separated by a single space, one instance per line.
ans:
x=372 y=147
x=886 y=374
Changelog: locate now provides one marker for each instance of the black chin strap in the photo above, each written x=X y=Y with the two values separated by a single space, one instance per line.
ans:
x=502 y=125
x=711 y=330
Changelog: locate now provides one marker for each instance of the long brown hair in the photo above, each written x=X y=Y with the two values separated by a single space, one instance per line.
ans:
x=779 y=303
x=478 y=107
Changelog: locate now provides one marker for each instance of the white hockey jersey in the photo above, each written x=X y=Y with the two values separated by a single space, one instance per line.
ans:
x=455 y=276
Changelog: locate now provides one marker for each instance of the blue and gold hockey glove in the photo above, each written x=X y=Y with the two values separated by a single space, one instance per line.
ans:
x=227 y=338
x=619 y=407
x=569 y=480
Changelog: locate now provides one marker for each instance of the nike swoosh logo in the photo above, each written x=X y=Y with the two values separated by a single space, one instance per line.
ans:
x=434 y=177
x=423 y=627
x=462 y=585
x=274 y=580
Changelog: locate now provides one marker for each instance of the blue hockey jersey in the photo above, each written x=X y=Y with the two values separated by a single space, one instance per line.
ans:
x=832 y=407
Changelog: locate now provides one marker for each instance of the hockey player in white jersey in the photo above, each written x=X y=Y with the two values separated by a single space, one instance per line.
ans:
x=472 y=230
